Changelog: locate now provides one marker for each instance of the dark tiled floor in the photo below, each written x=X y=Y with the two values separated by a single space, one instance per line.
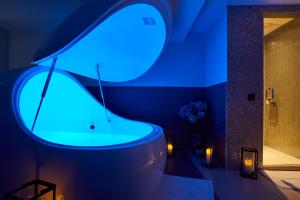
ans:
x=183 y=188
x=229 y=185
x=182 y=165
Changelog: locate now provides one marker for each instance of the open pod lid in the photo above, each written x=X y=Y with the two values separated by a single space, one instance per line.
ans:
x=124 y=38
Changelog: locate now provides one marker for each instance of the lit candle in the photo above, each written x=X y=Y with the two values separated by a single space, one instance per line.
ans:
x=208 y=153
x=249 y=167
x=60 y=197
x=170 y=149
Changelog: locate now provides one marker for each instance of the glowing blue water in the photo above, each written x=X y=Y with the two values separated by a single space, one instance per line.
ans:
x=69 y=110
x=124 y=45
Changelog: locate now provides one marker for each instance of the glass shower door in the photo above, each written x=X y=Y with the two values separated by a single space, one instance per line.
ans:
x=282 y=91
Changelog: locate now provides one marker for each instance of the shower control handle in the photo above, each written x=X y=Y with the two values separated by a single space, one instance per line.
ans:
x=270 y=96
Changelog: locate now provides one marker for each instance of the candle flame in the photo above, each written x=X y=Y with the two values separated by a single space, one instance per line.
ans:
x=248 y=162
x=170 y=147
x=208 y=155
x=209 y=151
x=248 y=166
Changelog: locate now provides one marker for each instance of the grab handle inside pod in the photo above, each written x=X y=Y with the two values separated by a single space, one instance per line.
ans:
x=101 y=92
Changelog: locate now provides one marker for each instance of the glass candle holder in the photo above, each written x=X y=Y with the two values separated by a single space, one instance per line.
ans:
x=249 y=162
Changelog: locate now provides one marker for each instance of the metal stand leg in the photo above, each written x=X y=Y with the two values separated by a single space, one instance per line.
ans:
x=101 y=92
x=44 y=91
x=54 y=193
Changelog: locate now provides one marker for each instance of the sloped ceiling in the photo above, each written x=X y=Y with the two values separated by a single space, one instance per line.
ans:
x=45 y=15
x=185 y=16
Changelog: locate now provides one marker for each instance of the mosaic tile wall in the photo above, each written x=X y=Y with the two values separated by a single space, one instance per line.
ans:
x=245 y=95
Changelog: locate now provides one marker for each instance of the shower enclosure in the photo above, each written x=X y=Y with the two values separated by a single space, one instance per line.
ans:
x=282 y=92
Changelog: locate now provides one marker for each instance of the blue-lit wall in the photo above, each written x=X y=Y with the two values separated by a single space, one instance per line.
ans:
x=216 y=82
x=181 y=65
x=216 y=52
x=157 y=105
x=199 y=61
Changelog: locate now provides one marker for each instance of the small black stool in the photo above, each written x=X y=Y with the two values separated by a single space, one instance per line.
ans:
x=33 y=189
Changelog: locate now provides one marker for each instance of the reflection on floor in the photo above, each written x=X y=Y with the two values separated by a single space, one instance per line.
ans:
x=284 y=179
x=274 y=157
x=182 y=165
x=228 y=185
x=183 y=181
x=181 y=188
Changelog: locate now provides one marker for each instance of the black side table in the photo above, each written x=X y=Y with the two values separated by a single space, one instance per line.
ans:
x=32 y=190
